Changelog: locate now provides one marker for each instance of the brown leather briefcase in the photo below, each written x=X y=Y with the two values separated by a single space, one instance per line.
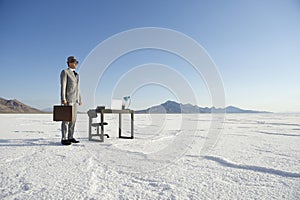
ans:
x=63 y=113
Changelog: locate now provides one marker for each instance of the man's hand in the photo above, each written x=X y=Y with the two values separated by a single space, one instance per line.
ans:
x=64 y=102
x=80 y=103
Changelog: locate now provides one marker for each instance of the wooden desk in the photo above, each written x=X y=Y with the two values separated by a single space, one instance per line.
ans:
x=93 y=114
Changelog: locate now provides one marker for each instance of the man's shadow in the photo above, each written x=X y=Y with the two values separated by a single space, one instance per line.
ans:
x=28 y=142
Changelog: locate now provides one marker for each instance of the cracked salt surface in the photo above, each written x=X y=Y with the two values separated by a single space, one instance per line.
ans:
x=257 y=156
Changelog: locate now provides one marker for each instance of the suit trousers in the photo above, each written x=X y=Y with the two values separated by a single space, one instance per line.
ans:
x=68 y=127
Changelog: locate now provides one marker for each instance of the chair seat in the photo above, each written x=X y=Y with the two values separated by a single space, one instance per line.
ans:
x=98 y=124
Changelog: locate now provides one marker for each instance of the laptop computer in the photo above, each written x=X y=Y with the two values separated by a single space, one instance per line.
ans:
x=116 y=104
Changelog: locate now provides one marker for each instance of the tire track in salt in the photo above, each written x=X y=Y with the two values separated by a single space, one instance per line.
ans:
x=272 y=171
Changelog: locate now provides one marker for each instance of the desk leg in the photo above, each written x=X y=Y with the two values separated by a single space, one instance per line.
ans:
x=90 y=128
x=102 y=127
x=132 y=122
x=120 y=125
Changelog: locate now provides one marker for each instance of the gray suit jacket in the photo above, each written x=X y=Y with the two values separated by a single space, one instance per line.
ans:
x=70 y=86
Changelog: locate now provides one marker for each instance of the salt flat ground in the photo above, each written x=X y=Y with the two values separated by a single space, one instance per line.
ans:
x=257 y=156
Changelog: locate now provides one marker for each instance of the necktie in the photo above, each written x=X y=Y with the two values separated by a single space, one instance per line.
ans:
x=75 y=73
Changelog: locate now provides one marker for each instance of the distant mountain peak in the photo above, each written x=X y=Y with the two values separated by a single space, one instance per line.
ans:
x=174 y=107
x=15 y=106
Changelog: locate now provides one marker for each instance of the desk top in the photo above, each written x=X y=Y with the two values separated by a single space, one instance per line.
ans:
x=116 y=111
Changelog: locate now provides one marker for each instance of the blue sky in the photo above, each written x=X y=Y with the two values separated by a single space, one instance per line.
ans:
x=254 y=44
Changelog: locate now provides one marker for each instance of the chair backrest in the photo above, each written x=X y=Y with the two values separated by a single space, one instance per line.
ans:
x=92 y=114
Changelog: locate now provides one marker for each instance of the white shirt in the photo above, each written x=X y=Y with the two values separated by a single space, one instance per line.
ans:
x=73 y=70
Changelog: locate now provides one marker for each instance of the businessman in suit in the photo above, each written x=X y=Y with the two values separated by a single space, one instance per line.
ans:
x=70 y=95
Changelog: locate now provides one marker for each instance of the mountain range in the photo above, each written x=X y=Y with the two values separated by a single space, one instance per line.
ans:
x=15 y=106
x=174 y=107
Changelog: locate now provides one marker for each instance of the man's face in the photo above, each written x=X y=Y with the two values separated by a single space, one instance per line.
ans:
x=73 y=65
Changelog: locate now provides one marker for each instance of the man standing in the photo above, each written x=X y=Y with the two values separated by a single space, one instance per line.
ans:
x=70 y=95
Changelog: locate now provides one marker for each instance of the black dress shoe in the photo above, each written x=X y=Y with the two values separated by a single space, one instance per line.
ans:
x=65 y=142
x=73 y=141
